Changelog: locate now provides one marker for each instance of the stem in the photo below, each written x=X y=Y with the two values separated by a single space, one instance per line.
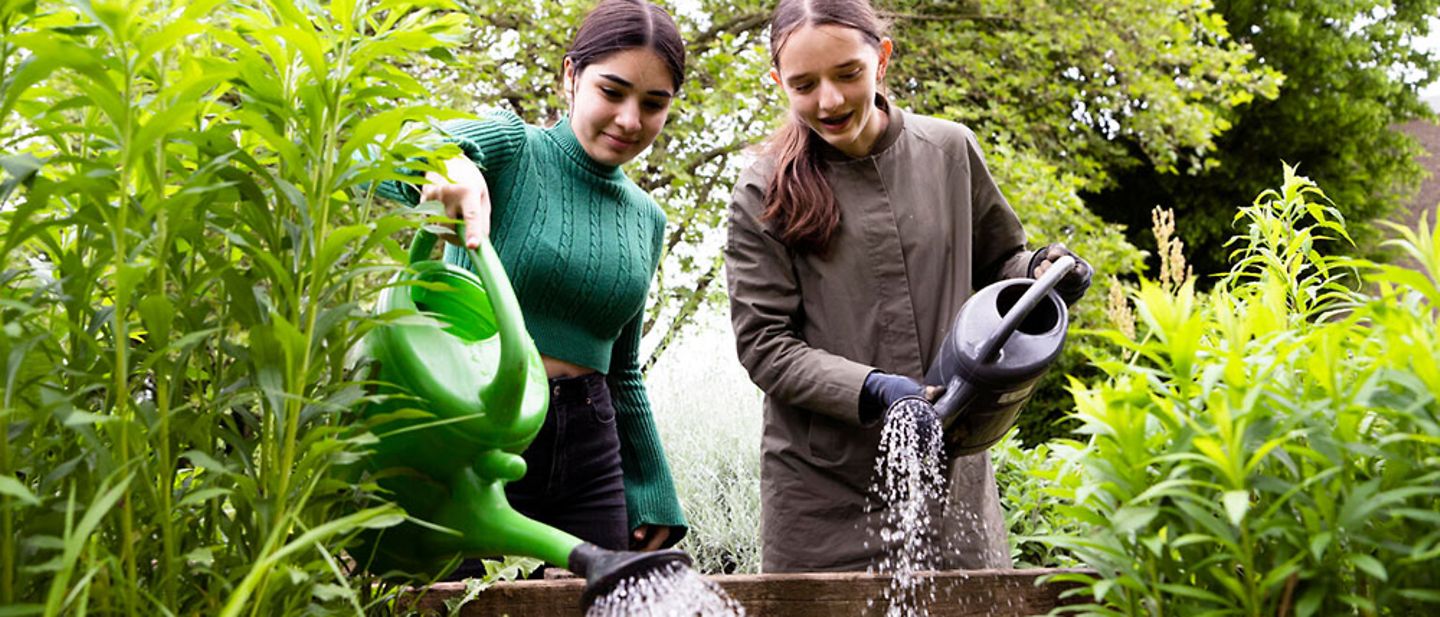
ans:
x=7 y=514
x=121 y=331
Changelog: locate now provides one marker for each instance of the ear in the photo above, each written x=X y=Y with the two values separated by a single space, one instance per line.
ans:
x=887 y=46
x=568 y=85
x=775 y=76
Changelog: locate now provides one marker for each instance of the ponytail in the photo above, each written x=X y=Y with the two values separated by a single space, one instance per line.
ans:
x=799 y=196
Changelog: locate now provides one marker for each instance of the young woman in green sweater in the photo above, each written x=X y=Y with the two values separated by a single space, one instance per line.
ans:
x=580 y=242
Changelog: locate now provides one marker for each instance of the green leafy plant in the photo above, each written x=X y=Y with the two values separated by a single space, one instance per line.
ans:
x=1271 y=447
x=186 y=246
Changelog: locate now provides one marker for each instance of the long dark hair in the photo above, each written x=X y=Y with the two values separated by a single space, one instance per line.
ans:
x=618 y=25
x=798 y=196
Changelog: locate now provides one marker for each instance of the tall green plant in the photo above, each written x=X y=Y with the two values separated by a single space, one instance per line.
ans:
x=1272 y=447
x=187 y=248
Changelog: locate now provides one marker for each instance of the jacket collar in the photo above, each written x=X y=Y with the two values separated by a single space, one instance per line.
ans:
x=888 y=138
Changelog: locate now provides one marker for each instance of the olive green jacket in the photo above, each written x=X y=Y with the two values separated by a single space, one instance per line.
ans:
x=922 y=226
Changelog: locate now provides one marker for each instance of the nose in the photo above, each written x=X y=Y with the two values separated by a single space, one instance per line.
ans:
x=628 y=117
x=831 y=99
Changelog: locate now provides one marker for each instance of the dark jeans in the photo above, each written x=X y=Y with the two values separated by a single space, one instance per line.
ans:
x=573 y=480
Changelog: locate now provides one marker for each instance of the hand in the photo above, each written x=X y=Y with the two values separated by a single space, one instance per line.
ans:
x=1073 y=285
x=882 y=389
x=466 y=196
x=649 y=537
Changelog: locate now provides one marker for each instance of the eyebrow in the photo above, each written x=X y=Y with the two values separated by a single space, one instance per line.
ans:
x=843 y=65
x=617 y=79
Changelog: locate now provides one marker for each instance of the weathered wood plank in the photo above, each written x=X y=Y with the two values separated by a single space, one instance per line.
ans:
x=1001 y=593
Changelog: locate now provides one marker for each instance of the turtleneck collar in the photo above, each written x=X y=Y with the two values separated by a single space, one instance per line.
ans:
x=564 y=136
x=883 y=142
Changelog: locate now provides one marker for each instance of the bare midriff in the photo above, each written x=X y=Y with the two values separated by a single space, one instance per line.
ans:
x=556 y=368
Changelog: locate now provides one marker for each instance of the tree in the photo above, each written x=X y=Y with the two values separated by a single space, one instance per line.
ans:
x=1044 y=93
x=1350 y=75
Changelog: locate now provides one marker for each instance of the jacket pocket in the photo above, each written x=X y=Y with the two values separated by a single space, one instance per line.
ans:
x=828 y=439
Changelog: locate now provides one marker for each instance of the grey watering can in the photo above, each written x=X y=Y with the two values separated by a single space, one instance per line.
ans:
x=1003 y=340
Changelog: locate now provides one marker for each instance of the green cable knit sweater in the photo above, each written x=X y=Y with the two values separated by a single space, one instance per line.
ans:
x=580 y=243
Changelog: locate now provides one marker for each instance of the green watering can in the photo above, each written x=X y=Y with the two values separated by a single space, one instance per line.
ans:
x=474 y=368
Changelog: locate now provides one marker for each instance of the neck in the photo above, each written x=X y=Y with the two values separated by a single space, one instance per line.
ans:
x=875 y=126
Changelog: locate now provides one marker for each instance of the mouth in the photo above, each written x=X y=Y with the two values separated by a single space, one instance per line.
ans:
x=835 y=123
x=619 y=142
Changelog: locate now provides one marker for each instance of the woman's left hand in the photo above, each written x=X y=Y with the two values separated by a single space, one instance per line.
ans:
x=1075 y=282
x=649 y=537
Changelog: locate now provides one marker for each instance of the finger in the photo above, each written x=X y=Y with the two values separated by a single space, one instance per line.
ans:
x=933 y=393
x=657 y=538
x=1057 y=251
x=470 y=211
x=1042 y=268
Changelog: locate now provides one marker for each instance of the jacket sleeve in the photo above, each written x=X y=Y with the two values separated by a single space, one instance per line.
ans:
x=491 y=142
x=767 y=315
x=650 y=496
x=999 y=239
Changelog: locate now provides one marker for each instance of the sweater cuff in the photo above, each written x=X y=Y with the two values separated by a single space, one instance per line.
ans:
x=650 y=496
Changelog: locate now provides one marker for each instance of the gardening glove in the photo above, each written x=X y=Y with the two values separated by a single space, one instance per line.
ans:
x=882 y=389
x=1072 y=287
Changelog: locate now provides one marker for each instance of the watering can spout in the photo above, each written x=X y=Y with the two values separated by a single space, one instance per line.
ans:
x=604 y=569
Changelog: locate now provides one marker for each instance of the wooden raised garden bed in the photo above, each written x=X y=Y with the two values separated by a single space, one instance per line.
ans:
x=998 y=593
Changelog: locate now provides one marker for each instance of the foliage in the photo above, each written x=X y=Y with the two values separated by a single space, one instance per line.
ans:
x=1017 y=72
x=1068 y=78
x=711 y=430
x=1351 y=74
x=1030 y=480
x=1045 y=198
x=507 y=569
x=1272 y=446
x=186 y=251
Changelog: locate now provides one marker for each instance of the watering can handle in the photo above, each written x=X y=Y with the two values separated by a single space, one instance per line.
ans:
x=1023 y=306
x=514 y=339
x=421 y=245
x=958 y=392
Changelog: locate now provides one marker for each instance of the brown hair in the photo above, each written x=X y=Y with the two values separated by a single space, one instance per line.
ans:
x=798 y=196
x=617 y=25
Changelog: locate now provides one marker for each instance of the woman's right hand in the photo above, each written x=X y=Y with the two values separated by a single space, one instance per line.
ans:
x=466 y=197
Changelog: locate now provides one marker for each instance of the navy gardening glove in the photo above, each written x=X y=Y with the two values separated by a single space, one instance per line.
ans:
x=882 y=389
x=1072 y=287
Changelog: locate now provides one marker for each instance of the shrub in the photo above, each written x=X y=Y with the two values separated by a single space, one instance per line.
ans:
x=184 y=248
x=1273 y=446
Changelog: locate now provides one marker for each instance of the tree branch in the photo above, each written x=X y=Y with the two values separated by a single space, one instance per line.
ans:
x=693 y=302
x=703 y=158
x=736 y=25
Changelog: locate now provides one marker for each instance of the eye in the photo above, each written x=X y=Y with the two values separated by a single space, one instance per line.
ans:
x=852 y=75
x=804 y=87
x=655 y=105
x=611 y=93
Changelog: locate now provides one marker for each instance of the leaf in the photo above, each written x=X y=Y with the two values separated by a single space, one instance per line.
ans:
x=1237 y=503
x=1130 y=519
x=19 y=169
x=202 y=495
x=12 y=487
x=1368 y=564
x=1318 y=543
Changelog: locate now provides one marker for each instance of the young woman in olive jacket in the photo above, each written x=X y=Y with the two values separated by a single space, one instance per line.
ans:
x=853 y=241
